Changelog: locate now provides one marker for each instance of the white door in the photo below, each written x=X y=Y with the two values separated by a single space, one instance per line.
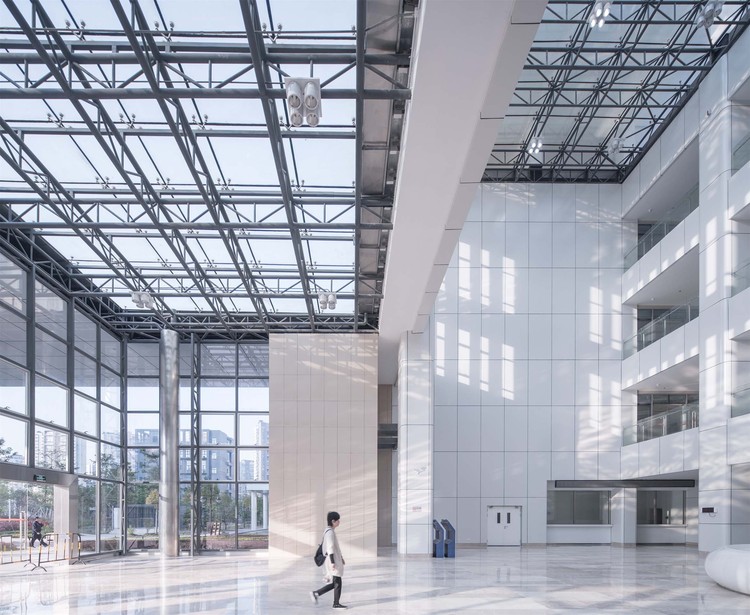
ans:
x=503 y=526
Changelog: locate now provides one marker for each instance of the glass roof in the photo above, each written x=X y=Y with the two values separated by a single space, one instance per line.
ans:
x=599 y=96
x=148 y=148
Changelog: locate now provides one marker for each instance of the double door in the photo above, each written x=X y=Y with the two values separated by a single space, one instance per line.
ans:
x=503 y=526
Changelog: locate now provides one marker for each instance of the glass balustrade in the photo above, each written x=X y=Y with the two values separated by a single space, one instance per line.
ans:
x=741 y=155
x=741 y=402
x=655 y=330
x=741 y=278
x=680 y=419
x=662 y=228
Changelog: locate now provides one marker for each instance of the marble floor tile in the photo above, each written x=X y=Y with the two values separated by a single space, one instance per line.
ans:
x=558 y=579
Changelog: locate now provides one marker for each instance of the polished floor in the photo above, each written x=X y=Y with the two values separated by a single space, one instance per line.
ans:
x=556 y=579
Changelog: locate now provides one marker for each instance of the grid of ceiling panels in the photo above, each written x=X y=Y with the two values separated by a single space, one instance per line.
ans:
x=597 y=97
x=145 y=146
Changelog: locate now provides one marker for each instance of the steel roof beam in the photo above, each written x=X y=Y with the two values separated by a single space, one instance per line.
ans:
x=195 y=92
x=263 y=78
x=104 y=117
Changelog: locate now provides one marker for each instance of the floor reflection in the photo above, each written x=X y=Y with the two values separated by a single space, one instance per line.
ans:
x=559 y=579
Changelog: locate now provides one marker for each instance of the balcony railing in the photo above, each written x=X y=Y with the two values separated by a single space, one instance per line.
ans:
x=655 y=330
x=680 y=419
x=741 y=402
x=741 y=278
x=741 y=155
x=662 y=228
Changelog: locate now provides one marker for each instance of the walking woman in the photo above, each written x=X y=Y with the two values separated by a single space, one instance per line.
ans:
x=334 y=563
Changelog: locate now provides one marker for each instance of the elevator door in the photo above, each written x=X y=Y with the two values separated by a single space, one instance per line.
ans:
x=503 y=526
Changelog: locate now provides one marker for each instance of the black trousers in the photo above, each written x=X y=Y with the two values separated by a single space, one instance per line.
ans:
x=37 y=536
x=334 y=585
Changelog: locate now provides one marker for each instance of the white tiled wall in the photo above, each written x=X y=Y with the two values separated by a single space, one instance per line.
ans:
x=526 y=361
x=323 y=441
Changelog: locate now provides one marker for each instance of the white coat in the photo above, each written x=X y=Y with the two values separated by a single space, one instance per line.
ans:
x=331 y=545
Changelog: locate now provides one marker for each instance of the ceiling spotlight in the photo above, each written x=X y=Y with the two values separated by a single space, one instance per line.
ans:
x=535 y=145
x=142 y=300
x=332 y=301
x=708 y=13
x=323 y=301
x=599 y=13
x=615 y=146
x=303 y=98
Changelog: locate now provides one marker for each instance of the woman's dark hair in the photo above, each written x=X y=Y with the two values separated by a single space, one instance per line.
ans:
x=333 y=516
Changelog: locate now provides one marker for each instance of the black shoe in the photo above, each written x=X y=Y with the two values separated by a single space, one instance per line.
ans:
x=340 y=606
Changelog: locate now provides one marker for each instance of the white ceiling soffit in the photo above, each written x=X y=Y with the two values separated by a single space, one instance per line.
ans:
x=468 y=55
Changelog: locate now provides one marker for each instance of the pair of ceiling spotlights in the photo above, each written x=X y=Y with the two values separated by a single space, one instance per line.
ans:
x=303 y=98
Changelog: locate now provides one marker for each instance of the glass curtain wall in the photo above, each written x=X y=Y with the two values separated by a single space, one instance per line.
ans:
x=231 y=481
x=60 y=383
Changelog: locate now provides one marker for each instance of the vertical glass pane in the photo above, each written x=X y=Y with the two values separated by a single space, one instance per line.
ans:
x=85 y=334
x=253 y=430
x=217 y=464
x=142 y=509
x=143 y=359
x=14 y=388
x=51 y=402
x=184 y=464
x=85 y=456
x=253 y=360
x=218 y=360
x=143 y=429
x=110 y=516
x=560 y=508
x=13 y=440
x=184 y=429
x=50 y=310
x=110 y=387
x=253 y=396
x=185 y=396
x=13 y=339
x=218 y=517
x=252 y=520
x=217 y=395
x=12 y=284
x=87 y=514
x=110 y=351
x=217 y=429
x=143 y=394
x=253 y=464
x=143 y=465
x=111 y=465
x=85 y=375
x=110 y=421
x=51 y=357
x=85 y=415
x=51 y=448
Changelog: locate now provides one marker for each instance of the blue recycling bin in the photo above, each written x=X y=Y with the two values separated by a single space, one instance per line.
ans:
x=450 y=538
x=438 y=540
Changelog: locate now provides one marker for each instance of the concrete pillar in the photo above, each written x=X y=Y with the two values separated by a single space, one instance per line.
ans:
x=66 y=507
x=415 y=422
x=253 y=511
x=265 y=510
x=169 y=437
x=624 y=517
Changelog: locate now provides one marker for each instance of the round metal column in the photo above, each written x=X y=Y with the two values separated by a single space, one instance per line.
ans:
x=169 y=482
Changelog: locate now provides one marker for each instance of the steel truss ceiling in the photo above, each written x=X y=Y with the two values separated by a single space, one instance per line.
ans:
x=205 y=197
x=582 y=88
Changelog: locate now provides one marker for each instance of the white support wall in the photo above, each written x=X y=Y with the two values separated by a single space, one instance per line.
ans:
x=527 y=340
x=323 y=441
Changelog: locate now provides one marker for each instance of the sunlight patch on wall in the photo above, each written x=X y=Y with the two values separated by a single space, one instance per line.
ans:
x=484 y=365
x=595 y=389
x=464 y=354
x=440 y=348
x=464 y=270
x=509 y=285
x=508 y=372
x=484 y=273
